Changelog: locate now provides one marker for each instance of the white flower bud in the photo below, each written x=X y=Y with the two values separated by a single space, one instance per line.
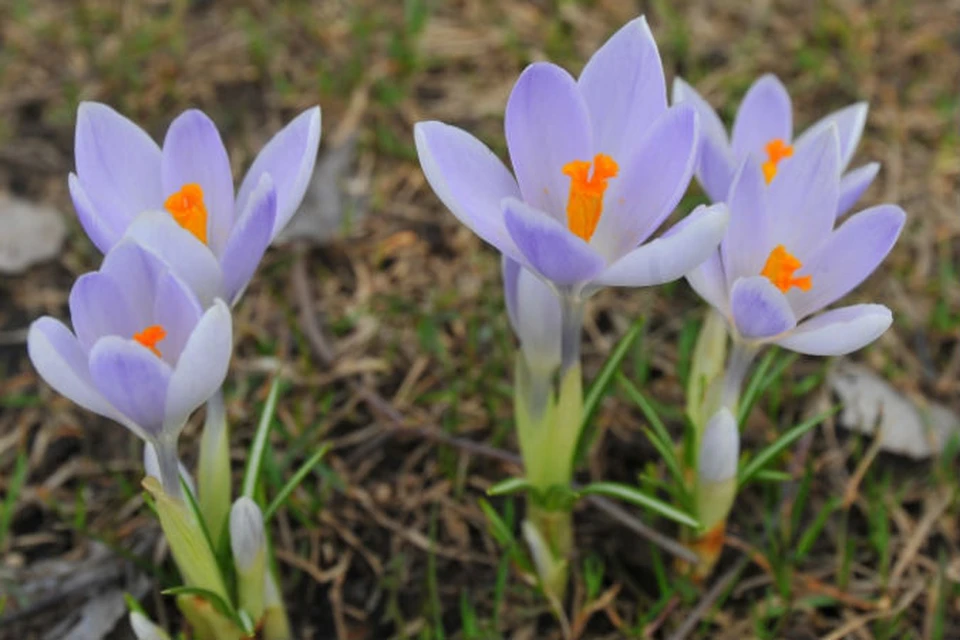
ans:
x=144 y=629
x=719 y=448
x=247 y=539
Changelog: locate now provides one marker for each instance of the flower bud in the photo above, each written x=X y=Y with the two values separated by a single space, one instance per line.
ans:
x=247 y=539
x=248 y=543
x=717 y=469
x=719 y=448
x=144 y=629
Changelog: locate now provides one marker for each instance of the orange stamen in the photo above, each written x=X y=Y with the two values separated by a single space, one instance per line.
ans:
x=780 y=267
x=776 y=150
x=150 y=336
x=187 y=208
x=585 y=203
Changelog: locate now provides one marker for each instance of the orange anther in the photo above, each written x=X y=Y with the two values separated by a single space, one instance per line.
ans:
x=187 y=208
x=150 y=336
x=585 y=204
x=776 y=150
x=780 y=267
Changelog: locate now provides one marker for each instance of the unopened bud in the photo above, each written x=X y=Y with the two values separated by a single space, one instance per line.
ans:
x=248 y=542
x=717 y=469
x=144 y=629
x=247 y=538
x=719 y=448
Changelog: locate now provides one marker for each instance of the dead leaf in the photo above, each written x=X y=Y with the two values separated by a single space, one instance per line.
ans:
x=873 y=406
x=32 y=233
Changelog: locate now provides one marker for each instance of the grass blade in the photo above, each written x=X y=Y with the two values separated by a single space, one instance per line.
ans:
x=765 y=457
x=294 y=482
x=761 y=381
x=601 y=385
x=252 y=473
x=657 y=433
x=509 y=486
x=633 y=495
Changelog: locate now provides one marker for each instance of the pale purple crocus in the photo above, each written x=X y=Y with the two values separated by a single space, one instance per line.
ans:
x=782 y=261
x=143 y=351
x=763 y=130
x=178 y=201
x=599 y=163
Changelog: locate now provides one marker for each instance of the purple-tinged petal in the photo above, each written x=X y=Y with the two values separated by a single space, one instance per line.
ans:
x=710 y=282
x=848 y=256
x=202 y=366
x=62 y=363
x=746 y=246
x=98 y=229
x=854 y=184
x=715 y=168
x=716 y=164
x=180 y=250
x=99 y=307
x=133 y=380
x=118 y=165
x=839 y=331
x=548 y=247
x=685 y=246
x=624 y=88
x=177 y=310
x=249 y=240
x=710 y=123
x=759 y=309
x=135 y=271
x=468 y=178
x=534 y=312
x=652 y=179
x=802 y=198
x=547 y=125
x=193 y=152
x=850 y=122
x=289 y=158
x=764 y=115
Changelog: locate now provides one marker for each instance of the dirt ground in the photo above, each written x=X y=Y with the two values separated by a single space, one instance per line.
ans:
x=387 y=326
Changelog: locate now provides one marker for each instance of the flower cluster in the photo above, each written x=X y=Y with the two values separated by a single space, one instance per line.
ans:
x=598 y=163
x=152 y=332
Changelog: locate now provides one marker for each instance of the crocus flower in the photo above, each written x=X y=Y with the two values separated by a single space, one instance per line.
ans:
x=212 y=238
x=142 y=352
x=599 y=163
x=763 y=130
x=781 y=261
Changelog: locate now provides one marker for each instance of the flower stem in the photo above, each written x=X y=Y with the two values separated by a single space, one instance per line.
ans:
x=738 y=363
x=571 y=325
x=169 y=468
